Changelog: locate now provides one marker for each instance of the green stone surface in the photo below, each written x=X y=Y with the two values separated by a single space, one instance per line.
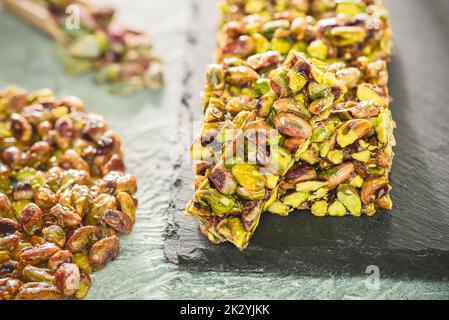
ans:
x=146 y=123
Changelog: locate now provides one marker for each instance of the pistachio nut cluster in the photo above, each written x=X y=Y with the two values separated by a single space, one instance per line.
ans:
x=65 y=196
x=306 y=139
x=343 y=167
x=121 y=56
x=324 y=29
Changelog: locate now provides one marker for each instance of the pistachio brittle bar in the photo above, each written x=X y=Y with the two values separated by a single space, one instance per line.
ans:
x=284 y=129
x=326 y=30
x=305 y=104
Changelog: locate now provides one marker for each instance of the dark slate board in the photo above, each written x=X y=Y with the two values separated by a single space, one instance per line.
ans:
x=410 y=241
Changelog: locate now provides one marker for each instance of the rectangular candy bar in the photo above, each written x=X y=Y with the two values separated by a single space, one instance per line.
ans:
x=294 y=132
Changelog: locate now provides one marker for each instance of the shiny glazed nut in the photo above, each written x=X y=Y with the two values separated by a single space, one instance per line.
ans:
x=34 y=274
x=9 y=242
x=8 y=226
x=104 y=251
x=118 y=221
x=55 y=234
x=127 y=205
x=9 y=287
x=60 y=257
x=31 y=218
x=39 y=291
x=85 y=284
x=65 y=216
x=37 y=254
x=67 y=278
x=83 y=238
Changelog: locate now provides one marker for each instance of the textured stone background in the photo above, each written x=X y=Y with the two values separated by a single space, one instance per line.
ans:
x=147 y=122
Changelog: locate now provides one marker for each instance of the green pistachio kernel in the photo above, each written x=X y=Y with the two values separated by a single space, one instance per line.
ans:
x=309 y=156
x=222 y=180
x=347 y=35
x=251 y=195
x=249 y=176
x=283 y=46
x=357 y=181
x=349 y=76
x=280 y=80
x=384 y=127
x=219 y=203
x=321 y=105
x=241 y=75
x=335 y=156
x=349 y=197
x=302 y=149
x=279 y=208
x=263 y=86
x=319 y=208
x=310 y=186
x=281 y=5
x=271 y=199
x=370 y=209
x=233 y=230
x=240 y=118
x=337 y=209
x=300 y=46
x=255 y=6
x=264 y=104
x=296 y=81
x=250 y=92
x=87 y=46
x=350 y=7
x=317 y=90
x=295 y=200
x=262 y=43
x=215 y=76
x=282 y=159
x=326 y=146
x=353 y=130
x=318 y=49
x=290 y=105
x=18 y=207
x=322 y=131
x=272 y=181
x=317 y=74
x=320 y=193
x=362 y=156
x=300 y=97
x=270 y=28
x=81 y=259
x=366 y=92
